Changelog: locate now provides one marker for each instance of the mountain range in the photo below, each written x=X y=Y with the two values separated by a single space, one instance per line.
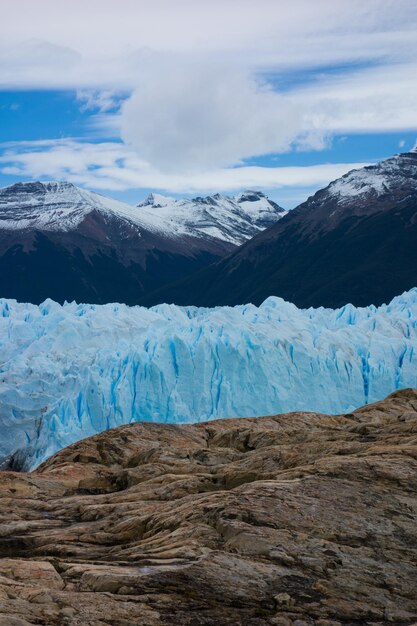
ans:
x=62 y=242
x=354 y=241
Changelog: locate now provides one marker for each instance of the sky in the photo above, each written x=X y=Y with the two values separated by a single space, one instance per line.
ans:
x=201 y=96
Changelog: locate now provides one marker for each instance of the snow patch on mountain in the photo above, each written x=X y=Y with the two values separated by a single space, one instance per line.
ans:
x=360 y=182
x=60 y=206
x=231 y=218
x=67 y=372
x=398 y=172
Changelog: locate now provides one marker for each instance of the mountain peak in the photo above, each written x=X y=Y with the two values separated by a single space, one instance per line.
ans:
x=156 y=200
x=396 y=175
x=250 y=195
x=234 y=219
x=53 y=206
x=38 y=187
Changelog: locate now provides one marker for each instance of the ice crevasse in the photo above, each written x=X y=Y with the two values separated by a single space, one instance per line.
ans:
x=70 y=371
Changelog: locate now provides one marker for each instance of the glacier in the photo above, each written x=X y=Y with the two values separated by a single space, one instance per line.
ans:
x=70 y=371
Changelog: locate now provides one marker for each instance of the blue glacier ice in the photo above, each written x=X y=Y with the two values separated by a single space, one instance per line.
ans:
x=67 y=372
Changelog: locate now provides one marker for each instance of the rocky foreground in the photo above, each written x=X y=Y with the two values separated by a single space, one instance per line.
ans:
x=296 y=519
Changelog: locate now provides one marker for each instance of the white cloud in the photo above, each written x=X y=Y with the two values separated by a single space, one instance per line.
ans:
x=111 y=166
x=103 y=100
x=92 y=43
x=194 y=117
x=368 y=100
x=94 y=27
x=197 y=117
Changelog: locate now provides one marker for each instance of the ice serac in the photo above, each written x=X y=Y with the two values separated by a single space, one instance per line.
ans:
x=70 y=371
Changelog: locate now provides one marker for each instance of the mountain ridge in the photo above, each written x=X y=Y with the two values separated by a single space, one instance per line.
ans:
x=233 y=218
x=353 y=241
x=62 y=242
x=61 y=206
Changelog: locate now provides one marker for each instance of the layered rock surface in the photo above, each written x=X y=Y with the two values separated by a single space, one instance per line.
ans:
x=297 y=519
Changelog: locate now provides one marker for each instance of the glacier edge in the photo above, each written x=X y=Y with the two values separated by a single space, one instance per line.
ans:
x=70 y=371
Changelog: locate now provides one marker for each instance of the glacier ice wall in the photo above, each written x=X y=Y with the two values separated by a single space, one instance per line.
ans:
x=67 y=372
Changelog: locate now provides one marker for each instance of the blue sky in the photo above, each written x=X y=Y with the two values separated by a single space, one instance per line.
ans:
x=282 y=98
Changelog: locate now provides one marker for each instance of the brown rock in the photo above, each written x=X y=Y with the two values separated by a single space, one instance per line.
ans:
x=294 y=520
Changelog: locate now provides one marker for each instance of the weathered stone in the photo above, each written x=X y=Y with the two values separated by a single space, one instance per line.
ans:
x=291 y=520
x=284 y=599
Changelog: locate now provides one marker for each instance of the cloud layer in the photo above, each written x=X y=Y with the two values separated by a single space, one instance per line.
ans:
x=199 y=118
x=103 y=42
x=112 y=166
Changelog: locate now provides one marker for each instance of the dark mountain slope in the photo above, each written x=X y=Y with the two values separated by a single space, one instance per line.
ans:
x=354 y=241
x=65 y=266
x=61 y=242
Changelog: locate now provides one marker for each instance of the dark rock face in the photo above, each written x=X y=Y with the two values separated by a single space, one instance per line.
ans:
x=292 y=520
x=35 y=265
x=61 y=247
x=354 y=241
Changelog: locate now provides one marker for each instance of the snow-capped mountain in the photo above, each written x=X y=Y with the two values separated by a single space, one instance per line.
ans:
x=230 y=218
x=396 y=176
x=61 y=206
x=57 y=207
x=63 y=242
x=363 y=192
x=354 y=241
x=70 y=371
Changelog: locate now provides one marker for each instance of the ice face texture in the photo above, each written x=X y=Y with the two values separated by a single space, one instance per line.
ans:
x=70 y=371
